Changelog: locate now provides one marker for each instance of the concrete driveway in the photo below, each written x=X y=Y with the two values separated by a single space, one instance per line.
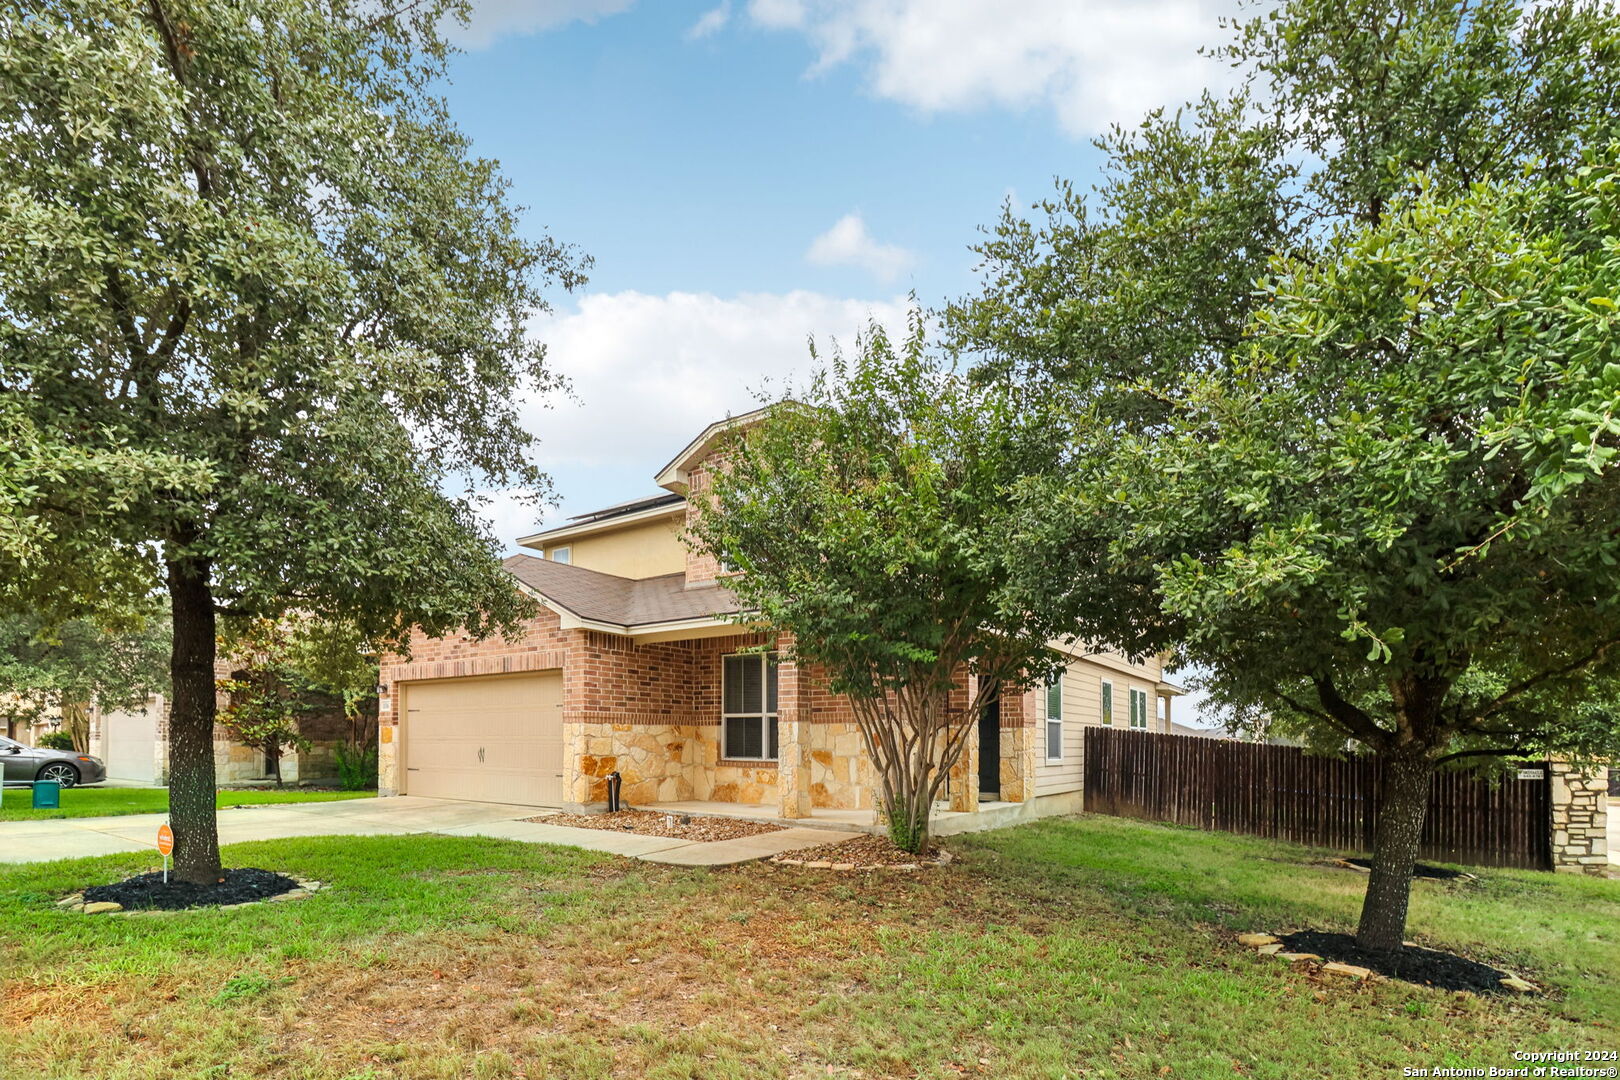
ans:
x=72 y=838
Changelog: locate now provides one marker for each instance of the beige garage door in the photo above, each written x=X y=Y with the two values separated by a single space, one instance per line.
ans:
x=496 y=739
x=129 y=742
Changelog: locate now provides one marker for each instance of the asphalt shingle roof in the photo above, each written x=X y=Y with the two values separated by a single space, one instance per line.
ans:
x=620 y=601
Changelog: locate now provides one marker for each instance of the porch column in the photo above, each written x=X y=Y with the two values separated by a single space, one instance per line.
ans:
x=792 y=744
x=1018 y=745
x=965 y=773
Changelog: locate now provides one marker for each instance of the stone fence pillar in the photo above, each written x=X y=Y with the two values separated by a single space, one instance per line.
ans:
x=1580 y=819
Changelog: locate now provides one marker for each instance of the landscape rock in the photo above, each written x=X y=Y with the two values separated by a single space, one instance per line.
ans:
x=101 y=907
x=1256 y=940
x=71 y=901
x=1521 y=985
x=1333 y=967
x=1270 y=950
x=1294 y=957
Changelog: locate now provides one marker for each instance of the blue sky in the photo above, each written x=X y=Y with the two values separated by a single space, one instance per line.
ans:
x=750 y=173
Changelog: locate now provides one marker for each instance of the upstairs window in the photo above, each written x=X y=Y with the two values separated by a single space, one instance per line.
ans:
x=562 y=555
x=748 y=707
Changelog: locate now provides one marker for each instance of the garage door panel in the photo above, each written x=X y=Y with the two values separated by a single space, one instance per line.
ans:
x=494 y=739
x=128 y=740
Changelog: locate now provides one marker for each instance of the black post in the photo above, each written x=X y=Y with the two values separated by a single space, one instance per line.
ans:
x=613 y=782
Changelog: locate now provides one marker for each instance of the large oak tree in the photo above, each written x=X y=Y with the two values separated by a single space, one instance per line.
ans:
x=1327 y=344
x=260 y=306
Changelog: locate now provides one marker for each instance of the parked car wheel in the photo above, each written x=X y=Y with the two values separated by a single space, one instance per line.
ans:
x=61 y=772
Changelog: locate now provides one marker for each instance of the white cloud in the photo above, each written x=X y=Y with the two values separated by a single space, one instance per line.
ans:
x=492 y=19
x=1093 y=62
x=849 y=243
x=712 y=22
x=650 y=371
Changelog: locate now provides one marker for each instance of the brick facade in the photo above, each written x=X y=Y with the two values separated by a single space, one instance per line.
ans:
x=652 y=713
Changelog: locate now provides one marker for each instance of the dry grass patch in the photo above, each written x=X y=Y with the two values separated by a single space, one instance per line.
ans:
x=1061 y=949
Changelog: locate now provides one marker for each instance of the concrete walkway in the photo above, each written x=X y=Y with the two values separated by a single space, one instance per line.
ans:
x=72 y=838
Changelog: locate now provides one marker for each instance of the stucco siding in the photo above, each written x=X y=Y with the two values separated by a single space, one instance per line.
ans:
x=643 y=550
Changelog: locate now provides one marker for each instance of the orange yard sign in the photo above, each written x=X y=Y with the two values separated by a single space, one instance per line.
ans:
x=165 y=839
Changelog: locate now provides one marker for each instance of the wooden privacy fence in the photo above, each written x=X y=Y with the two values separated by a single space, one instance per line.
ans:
x=1281 y=792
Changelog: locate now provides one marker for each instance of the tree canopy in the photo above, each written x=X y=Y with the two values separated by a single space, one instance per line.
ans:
x=867 y=518
x=72 y=666
x=266 y=325
x=1337 y=352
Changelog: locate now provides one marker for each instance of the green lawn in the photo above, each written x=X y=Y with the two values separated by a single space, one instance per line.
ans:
x=1078 y=947
x=95 y=802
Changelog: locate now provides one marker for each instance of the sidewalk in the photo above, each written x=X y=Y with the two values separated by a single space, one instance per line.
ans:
x=72 y=838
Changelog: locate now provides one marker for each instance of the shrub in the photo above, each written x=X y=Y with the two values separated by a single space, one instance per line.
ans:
x=357 y=769
x=56 y=740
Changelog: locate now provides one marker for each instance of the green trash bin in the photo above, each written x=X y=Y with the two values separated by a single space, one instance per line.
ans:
x=47 y=795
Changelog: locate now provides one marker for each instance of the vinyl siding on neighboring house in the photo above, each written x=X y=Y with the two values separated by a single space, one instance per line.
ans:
x=1082 y=697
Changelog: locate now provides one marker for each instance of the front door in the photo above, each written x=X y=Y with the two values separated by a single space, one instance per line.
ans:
x=990 y=746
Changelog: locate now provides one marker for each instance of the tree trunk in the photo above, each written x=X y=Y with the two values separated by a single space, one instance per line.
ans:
x=272 y=754
x=1403 y=804
x=76 y=722
x=191 y=722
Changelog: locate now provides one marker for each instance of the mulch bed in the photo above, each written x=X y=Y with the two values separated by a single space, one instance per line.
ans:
x=148 y=892
x=653 y=823
x=862 y=852
x=1421 y=870
x=1424 y=967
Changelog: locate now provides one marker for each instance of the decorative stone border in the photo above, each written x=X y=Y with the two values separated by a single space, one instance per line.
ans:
x=1271 y=945
x=75 y=902
x=848 y=867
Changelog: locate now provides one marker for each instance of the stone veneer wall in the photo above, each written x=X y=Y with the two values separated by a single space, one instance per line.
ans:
x=1580 y=843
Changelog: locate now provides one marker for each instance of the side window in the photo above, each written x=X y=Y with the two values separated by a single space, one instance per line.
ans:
x=562 y=555
x=1054 y=719
x=1139 y=708
x=1107 y=702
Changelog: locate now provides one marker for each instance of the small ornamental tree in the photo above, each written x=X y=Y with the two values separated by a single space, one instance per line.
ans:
x=260 y=311
x=1372 y=494
x=337 y=660
x=284 y=670
x=868 y=520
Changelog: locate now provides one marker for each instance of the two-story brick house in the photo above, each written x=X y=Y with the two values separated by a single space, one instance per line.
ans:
x=635 y=665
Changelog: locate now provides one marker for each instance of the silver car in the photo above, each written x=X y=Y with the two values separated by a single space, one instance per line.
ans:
x=25 y=764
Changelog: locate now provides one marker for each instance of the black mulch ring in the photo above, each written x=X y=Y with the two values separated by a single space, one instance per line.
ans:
x=1424 y=967
x=148 y=892
x=1422 y=870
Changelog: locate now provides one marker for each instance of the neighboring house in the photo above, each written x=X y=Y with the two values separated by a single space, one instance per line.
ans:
x=26 y=725
x=134 y=744
x=634 y=667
